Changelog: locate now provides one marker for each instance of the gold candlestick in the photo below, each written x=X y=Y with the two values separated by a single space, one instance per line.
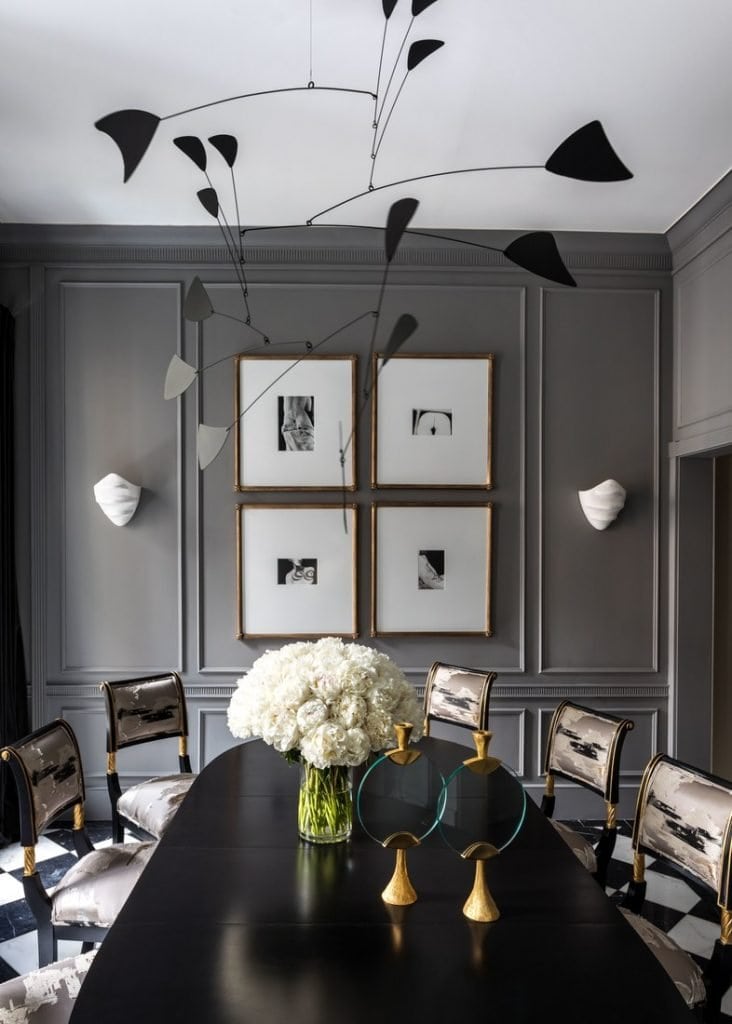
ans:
x=482 y=764
x=480 y=905
x=400 y=892
x=400 y=754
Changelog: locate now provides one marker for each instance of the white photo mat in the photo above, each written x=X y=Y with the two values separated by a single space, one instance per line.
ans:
x=323 y=390
x=432 y=421
x=296 y=571
x=431 y=569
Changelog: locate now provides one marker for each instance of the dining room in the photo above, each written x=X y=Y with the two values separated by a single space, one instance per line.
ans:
x=248 y=257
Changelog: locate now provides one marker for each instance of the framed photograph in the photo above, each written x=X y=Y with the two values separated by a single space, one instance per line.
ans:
x=297 y=416
x=431 y=421
x=296 y=571
x=431 y=569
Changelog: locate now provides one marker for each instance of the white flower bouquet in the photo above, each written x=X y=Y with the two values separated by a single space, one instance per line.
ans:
x=329 y=705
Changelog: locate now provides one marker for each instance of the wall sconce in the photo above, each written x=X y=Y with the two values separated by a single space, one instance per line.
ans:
x=601 y=504
x=117 y=498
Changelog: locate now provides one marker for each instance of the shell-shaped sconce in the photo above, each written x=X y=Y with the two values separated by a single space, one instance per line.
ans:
x=601 y=504
x=117 y=498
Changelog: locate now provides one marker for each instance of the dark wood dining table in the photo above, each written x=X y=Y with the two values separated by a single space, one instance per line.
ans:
x=237 y=920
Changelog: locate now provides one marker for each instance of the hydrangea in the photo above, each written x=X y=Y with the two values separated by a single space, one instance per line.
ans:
x=330 y=702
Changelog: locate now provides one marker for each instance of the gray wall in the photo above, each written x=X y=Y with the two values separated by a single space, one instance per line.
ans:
x=582 y=393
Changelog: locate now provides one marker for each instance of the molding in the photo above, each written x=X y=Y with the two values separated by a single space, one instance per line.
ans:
x=702 y=224
x=38 y=524
x=653 y=668
x=317 y=244
x=522 y=691
x=128 y=670
x=710 y=443
x=519 y=713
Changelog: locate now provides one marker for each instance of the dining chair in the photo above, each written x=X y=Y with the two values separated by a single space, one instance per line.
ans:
x=584 y=746
x=458 y=696
x=144 y=710
x=45 y=996
x=683 y=819
x=46 y=767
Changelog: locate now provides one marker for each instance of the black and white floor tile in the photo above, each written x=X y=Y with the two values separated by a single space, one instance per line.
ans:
x=671 y=903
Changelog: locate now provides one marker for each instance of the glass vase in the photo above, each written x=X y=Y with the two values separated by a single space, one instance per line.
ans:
x=325 y=805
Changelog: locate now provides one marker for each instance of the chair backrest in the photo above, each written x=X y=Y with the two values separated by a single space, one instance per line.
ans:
x=46 y=766
x=457 y=695
x=144 y=709
x=684 y=815
x=584 y=746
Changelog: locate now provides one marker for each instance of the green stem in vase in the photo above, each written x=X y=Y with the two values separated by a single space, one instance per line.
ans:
x=325 y=807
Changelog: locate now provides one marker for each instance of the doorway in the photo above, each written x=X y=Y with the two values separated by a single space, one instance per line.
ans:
x=722 y=665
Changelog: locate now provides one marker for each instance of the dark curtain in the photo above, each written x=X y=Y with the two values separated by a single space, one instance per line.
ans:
x=13 y=685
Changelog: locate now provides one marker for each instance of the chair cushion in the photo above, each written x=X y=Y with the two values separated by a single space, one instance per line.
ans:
x=580 y=847
x=93 y=891
x=152 y=804
x=681 y=968
x=45 y=996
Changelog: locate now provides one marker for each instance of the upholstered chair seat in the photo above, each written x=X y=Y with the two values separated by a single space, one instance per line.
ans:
x=145 y=710
x=583 y=850
x=150 y=805
x=46 y=767
x=94 y=890
x=583 y=746
x=681 y=968
x=45 y=996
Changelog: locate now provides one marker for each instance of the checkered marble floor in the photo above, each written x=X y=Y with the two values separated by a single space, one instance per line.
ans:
x=671 y=903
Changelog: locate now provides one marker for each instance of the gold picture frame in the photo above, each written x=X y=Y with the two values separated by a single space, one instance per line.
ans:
x=293 y=416
x=432 y=421
x=296 y=571
x=431 y=569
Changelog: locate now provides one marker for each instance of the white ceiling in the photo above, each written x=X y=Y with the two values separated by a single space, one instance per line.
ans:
x=513 y=79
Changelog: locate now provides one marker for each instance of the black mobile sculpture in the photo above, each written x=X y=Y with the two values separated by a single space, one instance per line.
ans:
x=586 y=155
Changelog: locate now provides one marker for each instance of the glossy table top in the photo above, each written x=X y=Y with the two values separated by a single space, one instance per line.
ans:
x=236 y=920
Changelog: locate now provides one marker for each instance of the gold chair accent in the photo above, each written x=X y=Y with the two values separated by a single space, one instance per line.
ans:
x=584 y=746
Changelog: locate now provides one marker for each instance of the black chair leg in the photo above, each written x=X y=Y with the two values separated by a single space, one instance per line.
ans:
x=87 y=947
x=603 y=853
x=47 y=944
x=717 y=980
x=118 y=832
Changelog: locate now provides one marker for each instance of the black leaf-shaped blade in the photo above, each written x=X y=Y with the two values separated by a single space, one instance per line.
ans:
x=209 y=201
x=404 y=328
x=197 y=305
x=400 y=214
x=133 y=132
x=420 y=5
x=227 y=146
x=537 y=252
x=193 y=149
x=420 y=50
x=388 y=6
x=588 y=156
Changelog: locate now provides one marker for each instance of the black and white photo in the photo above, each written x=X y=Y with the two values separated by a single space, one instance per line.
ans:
x=296 y=420
x=431 y=570
x=293 y=416
x=291 y=571
x=296 y=571
x=431 y=421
